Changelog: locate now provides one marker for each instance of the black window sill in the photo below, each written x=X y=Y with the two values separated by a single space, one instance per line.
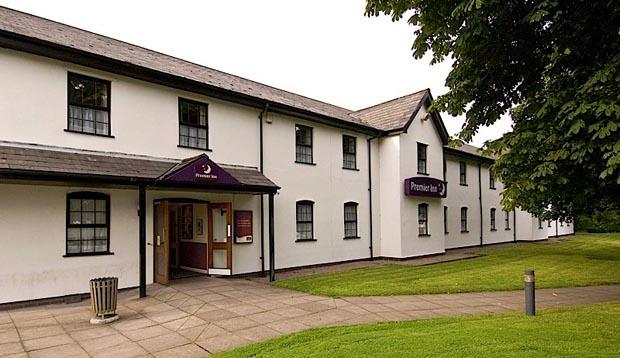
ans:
x=87 y=133
x=305 y=240
x=445 y=232
x=507 y=229
x=424 y=235
x=88 y=254
x=350 y=237
x=202 y=149
x=464 y=231
x=354 y=169
x=306 y=163
x=463 y=184
x=420 y=173
x=493 y=229
x=492 y=188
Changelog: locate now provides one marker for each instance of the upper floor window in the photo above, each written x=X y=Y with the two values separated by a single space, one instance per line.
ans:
x=423 y=219
x=491 y=179
x=349 y=150
x=305 y=220
x=303 y=144
x=88 y=223
x=463 y=173
x=88 y=105
x=507 y=219
x=422 y=158
x=463 y=219
x=445 y=219
x=540 y=226
x=193 y=124
x=350 y=220
x=493 y=219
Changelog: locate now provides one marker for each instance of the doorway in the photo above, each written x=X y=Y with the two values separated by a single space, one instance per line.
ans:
x=191 y=237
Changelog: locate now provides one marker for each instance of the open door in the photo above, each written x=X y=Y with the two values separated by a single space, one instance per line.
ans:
x=219 y=245
x=161 y=242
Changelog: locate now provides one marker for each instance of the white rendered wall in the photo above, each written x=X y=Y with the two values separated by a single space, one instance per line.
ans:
x=422 y=130
x=391 y=191
x=144 y=116
x=462 y=196
x=32 y=227
x=326 y=183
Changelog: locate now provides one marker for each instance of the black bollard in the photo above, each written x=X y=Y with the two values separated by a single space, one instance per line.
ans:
x=530 y=299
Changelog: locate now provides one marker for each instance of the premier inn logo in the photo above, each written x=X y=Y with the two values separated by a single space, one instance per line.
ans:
x=204 y=172
x=425 y=187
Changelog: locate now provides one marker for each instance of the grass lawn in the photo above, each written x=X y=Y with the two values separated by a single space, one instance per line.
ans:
x=586 y=259
x=584 y=331
x=591 y=330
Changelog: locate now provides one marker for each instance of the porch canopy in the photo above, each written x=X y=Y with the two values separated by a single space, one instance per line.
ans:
x=34 y=163
x=31 y=164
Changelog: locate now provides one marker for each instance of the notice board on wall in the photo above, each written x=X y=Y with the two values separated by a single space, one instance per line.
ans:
x=243 y=226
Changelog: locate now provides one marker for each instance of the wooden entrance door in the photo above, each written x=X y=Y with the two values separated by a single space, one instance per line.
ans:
x=161 y=242
x=219 y=246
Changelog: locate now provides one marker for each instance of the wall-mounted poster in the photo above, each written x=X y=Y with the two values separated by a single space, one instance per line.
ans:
x=243 y=226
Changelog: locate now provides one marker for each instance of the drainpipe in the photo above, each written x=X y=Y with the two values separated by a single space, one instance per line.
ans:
x=262 y=200
x=480 y=198
x=514 y=223
x=368 y=143
x=556 y=228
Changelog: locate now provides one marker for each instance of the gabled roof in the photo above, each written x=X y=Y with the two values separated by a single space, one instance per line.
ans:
x=393 y=114
x=40 y=29
x=33 y=34
x=396 y=115
x=469 y=151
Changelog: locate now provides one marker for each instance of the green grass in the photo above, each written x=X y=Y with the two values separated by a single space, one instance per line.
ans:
x=577 y=331
x=586 y=259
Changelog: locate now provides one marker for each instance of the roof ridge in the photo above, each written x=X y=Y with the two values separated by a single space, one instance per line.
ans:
x=176 y=58
x=391 y=100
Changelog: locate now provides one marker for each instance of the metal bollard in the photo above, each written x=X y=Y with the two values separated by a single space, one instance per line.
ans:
x=530 y=299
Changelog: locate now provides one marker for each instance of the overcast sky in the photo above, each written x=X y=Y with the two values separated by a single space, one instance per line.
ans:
x=322 y=49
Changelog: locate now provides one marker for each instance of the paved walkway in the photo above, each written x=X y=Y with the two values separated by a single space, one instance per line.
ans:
x=196 y=316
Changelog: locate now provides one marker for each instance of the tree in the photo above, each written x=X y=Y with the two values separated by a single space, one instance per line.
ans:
x=554 y=66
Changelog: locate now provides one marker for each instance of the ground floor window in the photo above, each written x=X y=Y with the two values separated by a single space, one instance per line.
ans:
x=493 y=219
x=463 y=219
x=423 y=219
x=304 y=215
x=507 y=219
x=540 y=226
x=88 y=223
x=350 y=220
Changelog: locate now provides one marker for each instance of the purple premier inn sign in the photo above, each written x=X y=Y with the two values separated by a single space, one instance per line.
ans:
x=424 y=186
x=201 y=171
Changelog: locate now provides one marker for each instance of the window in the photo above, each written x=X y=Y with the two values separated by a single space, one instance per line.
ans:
x=562 y=223
x=423 y=219
x=193 y=124
x=88 y=105
x=507 y=220
x=540 y=226
x=445 y=219
x=491 y=179
x=493 y=220
x=464 y=219
x=305 y=220
x=549 y=223
x=303 y=144
x=350 y=220
x=422 y=158
x=463 y=173
x=88 y=223
x=349 y=157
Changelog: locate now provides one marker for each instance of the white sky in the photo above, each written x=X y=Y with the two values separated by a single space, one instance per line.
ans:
x=322 y=49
